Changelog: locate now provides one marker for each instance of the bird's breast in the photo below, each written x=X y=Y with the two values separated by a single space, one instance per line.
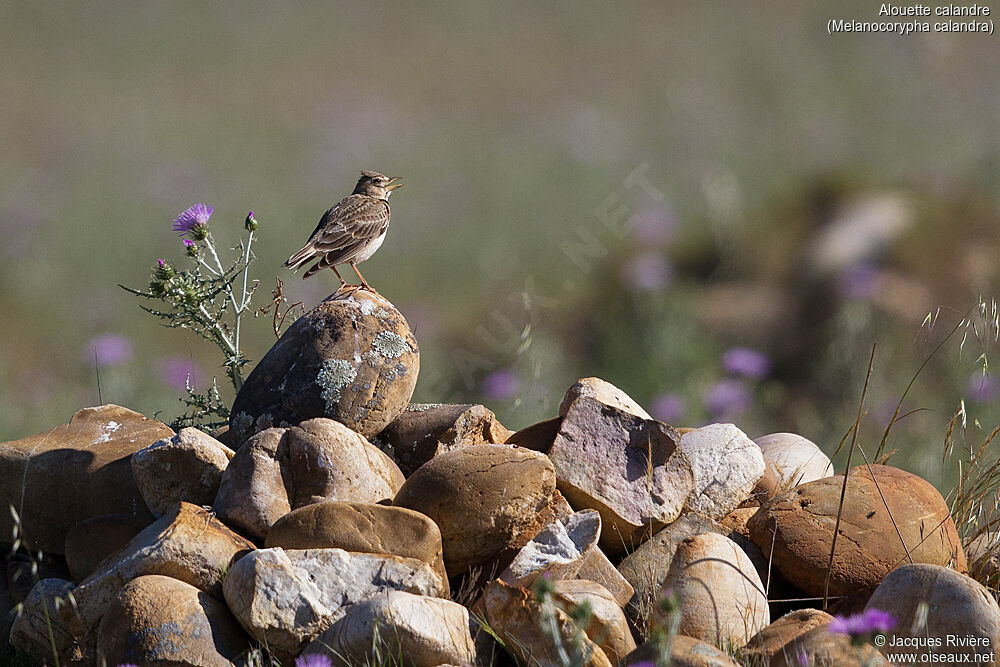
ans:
x=370 y=250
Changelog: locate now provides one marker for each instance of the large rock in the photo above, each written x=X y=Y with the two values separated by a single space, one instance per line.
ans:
x=797 y=459
x=683 y=652
x=361 y=528
x=424 y=431
x=89 y=542
x=428 y=631
x=779 y=634
x=825 y=649
x=958 y=607
x=721 y=598
x=604 y=392
x=483 y=498
x=351 y=358
x=281 y=469
x=39 y=628
x=727 y=466
x=188 y=544
x=186 y=467
x=286 y=598
x=606 y=623
x=536 y=633
x=646 y=568
x=627 y=468
x=800 y=525
x=157 y=619
x=74 y=472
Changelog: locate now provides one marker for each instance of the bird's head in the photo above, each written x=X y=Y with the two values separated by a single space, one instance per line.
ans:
x=375 y=184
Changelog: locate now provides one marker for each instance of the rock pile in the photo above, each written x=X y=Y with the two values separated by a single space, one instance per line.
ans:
x=345 y=520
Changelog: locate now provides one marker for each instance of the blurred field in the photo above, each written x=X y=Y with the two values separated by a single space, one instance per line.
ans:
x=817 y=195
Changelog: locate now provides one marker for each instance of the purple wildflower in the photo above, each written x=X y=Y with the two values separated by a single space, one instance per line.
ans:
x=727 y=398
x=176 y=371
x=160 y=263
x=859 y=280
x=667 y=407
x=982 y=388
x=194 y=216
x=745 y=362
x=647 y=272
x=110 y=349
x=313 y=660
x=803 y=658
x=653 y=224
x=861 y=625
x=501 y=385
x=188 y=243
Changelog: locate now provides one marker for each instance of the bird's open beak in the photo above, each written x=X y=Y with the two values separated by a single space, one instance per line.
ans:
x=392 y=185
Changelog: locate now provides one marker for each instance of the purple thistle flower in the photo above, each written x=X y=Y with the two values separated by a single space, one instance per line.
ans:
x=727 y=398
x=110 y=349
x=667 y=407
x=188 y=243
x=160 y=263
x=860 y=625
x=313 y=660
x=745 y=362
x=501 y=385
x=191 y=218
x=176 y=371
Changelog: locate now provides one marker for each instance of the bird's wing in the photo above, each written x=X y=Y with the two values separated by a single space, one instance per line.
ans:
x=356 y=219
x=349 y=224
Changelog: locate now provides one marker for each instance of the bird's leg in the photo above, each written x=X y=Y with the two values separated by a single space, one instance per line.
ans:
x=343 y=283
x=364 y=283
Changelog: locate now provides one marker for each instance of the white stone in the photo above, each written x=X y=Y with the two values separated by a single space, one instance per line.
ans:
x=428 y=631
x=558 y=549
x=796 y=459
x=603 y=391
x=726 y=464
x=286 y=598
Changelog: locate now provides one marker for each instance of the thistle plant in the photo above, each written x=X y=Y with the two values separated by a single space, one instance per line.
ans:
x=209 y=298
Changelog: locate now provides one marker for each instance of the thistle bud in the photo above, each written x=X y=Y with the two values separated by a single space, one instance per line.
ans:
x=199 y=232
x=190 y=248
x=251 y=222
x=189 y=296
x=163 y=270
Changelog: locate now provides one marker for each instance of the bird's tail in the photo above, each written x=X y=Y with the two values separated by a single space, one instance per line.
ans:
x=296 y=261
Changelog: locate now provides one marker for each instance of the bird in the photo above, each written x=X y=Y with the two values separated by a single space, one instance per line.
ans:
x=350 y=231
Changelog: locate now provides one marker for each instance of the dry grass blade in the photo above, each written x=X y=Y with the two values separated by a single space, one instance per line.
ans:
x=847 y=471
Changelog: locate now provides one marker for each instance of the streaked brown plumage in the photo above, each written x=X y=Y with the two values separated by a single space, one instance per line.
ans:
x=352 y=230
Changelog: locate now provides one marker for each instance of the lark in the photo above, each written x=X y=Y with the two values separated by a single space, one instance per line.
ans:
x=351 y=231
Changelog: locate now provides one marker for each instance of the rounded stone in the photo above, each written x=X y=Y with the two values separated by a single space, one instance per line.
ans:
x=727 y=466
x=186 y=467
x=800 y=523
x=607 y=626
x=160 y=619
x=796 y=459
x=361 y=528
x=820 y=647
x=279 y=470
x=719 y=592
x=684 y=652
x=351 y=358
x=957 y=607
x=482 y=498
x=778 y=634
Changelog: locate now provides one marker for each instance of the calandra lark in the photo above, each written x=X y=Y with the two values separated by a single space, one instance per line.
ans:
x=351 y=231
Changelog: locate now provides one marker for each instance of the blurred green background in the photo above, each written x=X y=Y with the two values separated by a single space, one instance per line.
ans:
x=716 y=206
